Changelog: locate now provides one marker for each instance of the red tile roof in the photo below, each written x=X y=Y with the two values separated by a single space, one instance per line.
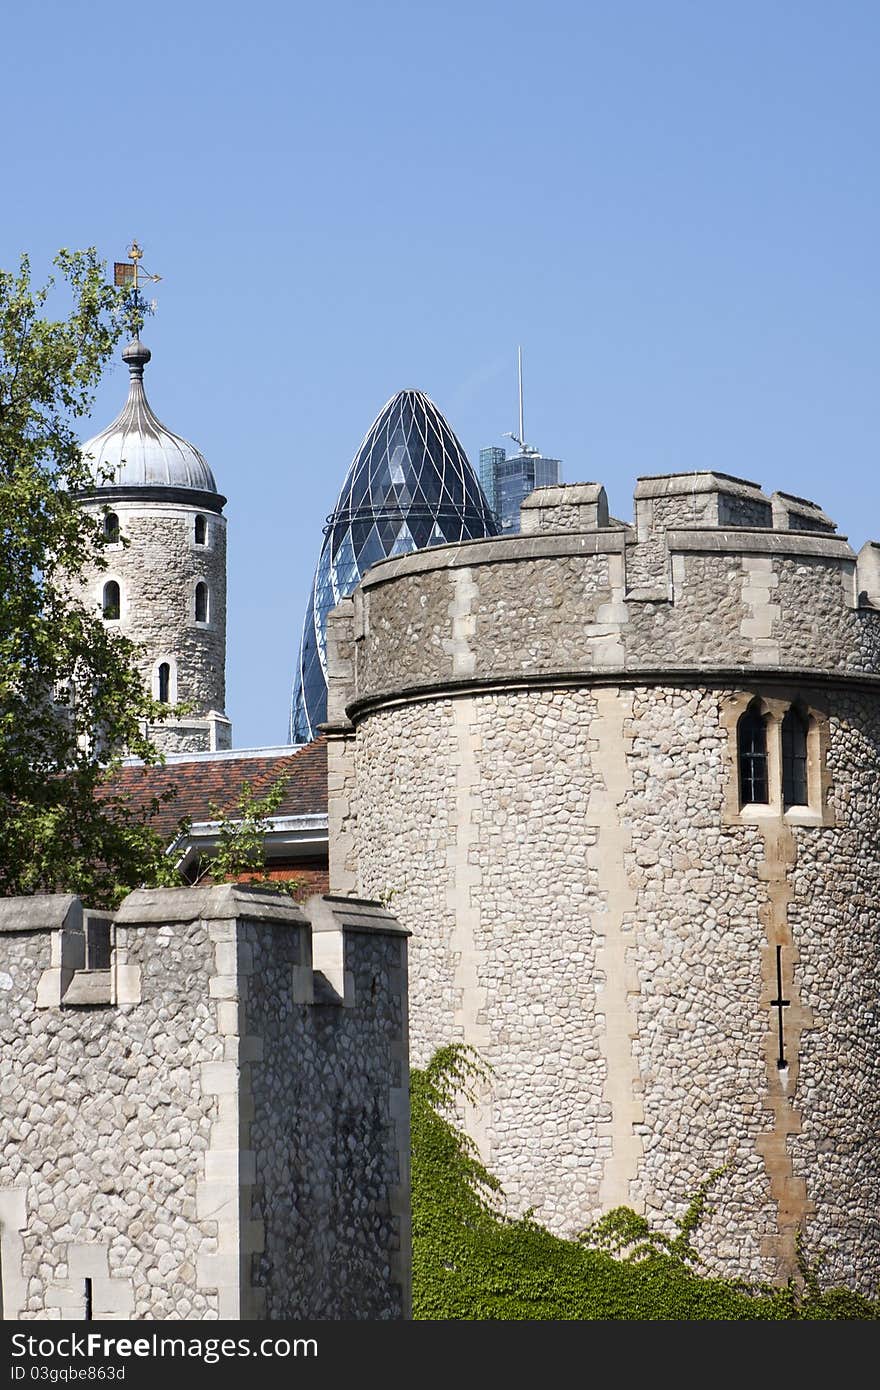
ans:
x=208 y=788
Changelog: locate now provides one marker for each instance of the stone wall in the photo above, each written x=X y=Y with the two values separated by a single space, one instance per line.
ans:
x=536 y=760
x=181 y=1136
x=585 y=919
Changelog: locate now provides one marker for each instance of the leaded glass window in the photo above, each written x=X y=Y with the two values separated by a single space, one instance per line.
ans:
x=794 y=760
x=752 y=751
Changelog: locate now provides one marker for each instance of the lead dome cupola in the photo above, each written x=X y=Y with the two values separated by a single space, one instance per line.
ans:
x=137 y=450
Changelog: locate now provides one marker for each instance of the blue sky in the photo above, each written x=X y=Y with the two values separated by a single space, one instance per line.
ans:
x=673 y=206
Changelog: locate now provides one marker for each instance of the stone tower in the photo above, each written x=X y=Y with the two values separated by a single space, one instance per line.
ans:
x=165 y=582
x=623 y=784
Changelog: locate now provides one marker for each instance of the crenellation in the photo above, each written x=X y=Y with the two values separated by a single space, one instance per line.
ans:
x=193 y=1124
x=577 y=507
x=797 y=514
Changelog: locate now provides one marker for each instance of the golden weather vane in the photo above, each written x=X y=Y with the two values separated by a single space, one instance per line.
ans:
x=128 y=275
x=129 y=272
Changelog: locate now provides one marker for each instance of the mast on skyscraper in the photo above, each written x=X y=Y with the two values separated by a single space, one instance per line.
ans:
x=520 y=438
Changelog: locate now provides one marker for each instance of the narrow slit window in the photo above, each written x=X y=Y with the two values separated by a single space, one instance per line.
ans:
x=201 y=530
x=97 y=944
x=111 y=528
x=794 y=760
x=752 y=750
x=201 y=603
x=110 y=600
x=165 y=683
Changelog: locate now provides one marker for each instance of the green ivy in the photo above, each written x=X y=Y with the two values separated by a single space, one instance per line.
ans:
x=472 y=1262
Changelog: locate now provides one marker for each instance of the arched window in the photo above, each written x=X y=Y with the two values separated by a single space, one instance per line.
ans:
x=201 y=603
x=794 y=759
x=751 y=737
x=164 y=683
x=110 y=600
x=201 y=530
x=111 y=528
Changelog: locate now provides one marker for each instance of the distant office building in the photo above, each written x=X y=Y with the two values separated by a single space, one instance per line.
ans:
x=507 y=481
x=515 y=477
x=490 y=461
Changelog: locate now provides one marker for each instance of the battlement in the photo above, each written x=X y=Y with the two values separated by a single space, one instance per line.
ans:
x=713 y=576
x=198 y=1063
x=666 y=500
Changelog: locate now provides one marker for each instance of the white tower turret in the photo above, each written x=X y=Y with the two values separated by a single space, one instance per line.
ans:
x=165 y=583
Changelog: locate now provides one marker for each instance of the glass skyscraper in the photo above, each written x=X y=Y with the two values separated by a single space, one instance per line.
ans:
x=409 y=486
x=490 y=461
x=507 y=481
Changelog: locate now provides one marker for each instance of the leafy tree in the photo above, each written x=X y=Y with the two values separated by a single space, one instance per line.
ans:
x=71 y=699
x=240 y=853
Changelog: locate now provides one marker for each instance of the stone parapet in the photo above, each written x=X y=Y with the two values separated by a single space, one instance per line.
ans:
x=577 y=507
x=225 y=1108
x=700 y=588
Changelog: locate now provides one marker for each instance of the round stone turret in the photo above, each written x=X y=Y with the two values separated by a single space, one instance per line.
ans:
x=165 y=582
x=622 y=783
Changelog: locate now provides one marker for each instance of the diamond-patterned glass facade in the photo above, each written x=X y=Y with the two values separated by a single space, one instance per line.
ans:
x=409 y=486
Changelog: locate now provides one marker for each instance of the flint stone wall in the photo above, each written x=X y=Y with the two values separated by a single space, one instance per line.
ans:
x=157 y=572
x=186 y=1143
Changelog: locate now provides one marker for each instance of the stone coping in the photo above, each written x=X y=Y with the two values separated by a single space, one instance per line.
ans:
x=541 y=545
x=802 y=506
x=686 y=484
x=335 y=912
x=230 y=901
x=611 y=540
x=758 y=541
x=222 y=901
x=564 y=495
x=39 y=912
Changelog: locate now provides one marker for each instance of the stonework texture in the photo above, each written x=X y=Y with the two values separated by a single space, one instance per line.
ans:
x=537 y=764
x=222 y=1133
x=157 y=565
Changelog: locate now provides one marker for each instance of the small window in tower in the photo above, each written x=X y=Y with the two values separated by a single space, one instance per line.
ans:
x=111 y=528
x=110 y=600
x=794 y=759
x=752 y=751
x=201 y=530
x=164 y=683
x=201 y=603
